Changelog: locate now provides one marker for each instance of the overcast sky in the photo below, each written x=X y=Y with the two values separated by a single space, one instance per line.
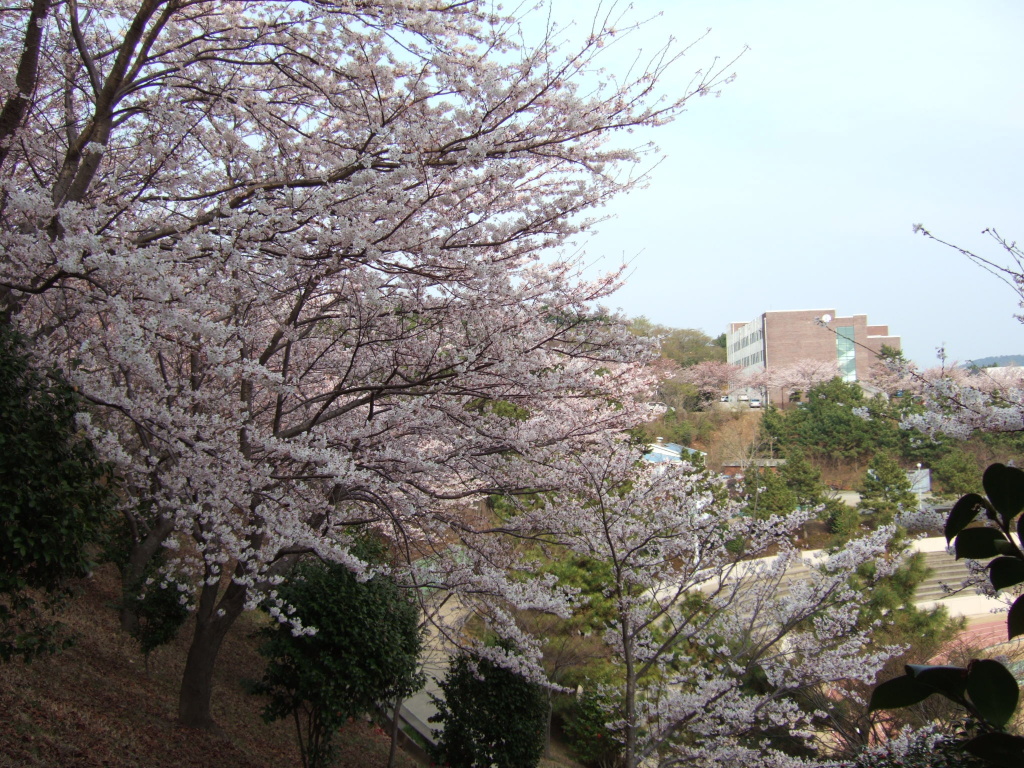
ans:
x=797 y=189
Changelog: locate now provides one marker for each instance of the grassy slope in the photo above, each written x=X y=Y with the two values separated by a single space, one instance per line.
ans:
x=94 y=705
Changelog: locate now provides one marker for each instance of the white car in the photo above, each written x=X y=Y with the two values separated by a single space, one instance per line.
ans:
x=755 y=402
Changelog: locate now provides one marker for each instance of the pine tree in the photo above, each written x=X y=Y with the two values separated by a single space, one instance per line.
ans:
x=803 y=479
x=885 y=490
x=957 y=473
x=768 y=493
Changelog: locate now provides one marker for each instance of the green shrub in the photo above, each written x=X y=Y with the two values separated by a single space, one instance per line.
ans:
x=365 y=651
x=842 y=520
x=56 y=496
x=586 y=727
x=162 y=606
x=490 y=716
x=767 y=493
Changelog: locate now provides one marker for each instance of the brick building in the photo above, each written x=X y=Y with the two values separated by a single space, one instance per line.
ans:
x=777 y=339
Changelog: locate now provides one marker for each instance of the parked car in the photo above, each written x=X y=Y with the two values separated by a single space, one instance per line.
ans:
x=755 y=402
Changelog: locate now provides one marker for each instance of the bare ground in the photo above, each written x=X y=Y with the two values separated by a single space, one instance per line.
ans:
x=95 y=705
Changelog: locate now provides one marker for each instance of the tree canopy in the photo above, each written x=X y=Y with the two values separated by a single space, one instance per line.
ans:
x=284 y=251
x=693 y=621
x=830 y=425
x=685 y=346
x=885 y=490
x=489 y=716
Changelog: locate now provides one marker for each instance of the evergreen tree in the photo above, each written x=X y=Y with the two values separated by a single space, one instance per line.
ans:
x=774 y=428
x=957 y=473
x=843 y=521
x=490 y=715
x=767 y=493
x=885 y=490
x=57 y=499
x=803 y=479
x=365 y=651
x=830 y=427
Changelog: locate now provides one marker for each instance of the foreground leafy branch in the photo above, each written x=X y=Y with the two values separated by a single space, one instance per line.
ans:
x=985 y=688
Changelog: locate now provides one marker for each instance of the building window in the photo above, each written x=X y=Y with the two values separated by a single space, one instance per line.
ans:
x=846 y=352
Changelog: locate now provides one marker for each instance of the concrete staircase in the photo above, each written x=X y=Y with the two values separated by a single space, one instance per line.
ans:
x=945 y=570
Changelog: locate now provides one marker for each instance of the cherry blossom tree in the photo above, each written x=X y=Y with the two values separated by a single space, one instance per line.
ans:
x=808 y=372
x=799 y=375
x=998 y=380
x=767 y=380
x=959 y=402
x=890 y=375
x=696 y=619
x=711 y=377
x=290 y=253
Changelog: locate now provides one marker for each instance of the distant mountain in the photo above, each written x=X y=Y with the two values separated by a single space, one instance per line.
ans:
x=1001 y=360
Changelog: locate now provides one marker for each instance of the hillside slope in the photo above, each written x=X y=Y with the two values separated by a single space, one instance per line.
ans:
x=95 y=705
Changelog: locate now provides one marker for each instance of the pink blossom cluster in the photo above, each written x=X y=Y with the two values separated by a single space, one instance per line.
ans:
x=957 y=400
x=304 y=264
x=713 y=377
x=695 y=616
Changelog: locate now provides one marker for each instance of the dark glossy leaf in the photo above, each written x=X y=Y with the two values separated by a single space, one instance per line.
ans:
x=998 y=748
x=1015 y=619
x=1005 y=547
x=898 y=692
x=963 y=513
x=1005 y=572
x=1004 y=487
x=978 y=543
x=951 y=682
x=993 y=691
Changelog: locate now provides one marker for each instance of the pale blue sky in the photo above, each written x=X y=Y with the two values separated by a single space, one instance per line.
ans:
x=797 y=189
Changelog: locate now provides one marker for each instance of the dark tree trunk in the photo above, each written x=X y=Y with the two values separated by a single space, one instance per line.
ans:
x=213 y=620
x=396 y=713
x=142 y=551
x=14 y=109
x=128 y=616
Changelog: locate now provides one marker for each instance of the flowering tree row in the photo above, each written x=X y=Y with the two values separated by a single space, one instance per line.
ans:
x=960 y=400
x=290 y=254
x=713 y=378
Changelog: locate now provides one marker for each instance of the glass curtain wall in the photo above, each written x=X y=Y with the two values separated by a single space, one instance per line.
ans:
x=846 y=352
